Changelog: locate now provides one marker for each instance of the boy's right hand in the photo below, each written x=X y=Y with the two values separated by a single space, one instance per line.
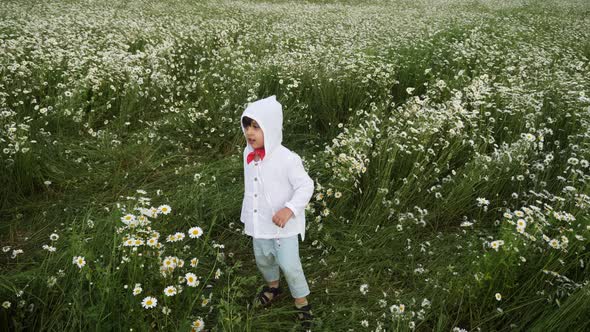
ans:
x=282 y=216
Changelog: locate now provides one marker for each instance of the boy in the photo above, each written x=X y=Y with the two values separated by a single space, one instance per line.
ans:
x=276 y=190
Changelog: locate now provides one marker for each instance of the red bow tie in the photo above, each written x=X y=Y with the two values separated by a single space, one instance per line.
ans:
x=259 y=152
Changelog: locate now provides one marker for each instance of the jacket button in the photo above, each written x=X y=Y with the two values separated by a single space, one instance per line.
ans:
x=255 y=164
x=255 y=195
x=255 y=179
x=255 y=210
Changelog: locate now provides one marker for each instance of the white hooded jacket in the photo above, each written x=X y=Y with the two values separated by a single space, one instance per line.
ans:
x=277 y=181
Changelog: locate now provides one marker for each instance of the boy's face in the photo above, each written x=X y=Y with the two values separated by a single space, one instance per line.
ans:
x=254 y=135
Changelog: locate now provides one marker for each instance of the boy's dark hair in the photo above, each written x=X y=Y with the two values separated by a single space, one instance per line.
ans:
x=246 y=121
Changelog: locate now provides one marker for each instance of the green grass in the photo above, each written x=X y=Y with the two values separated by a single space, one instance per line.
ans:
x=399 y=227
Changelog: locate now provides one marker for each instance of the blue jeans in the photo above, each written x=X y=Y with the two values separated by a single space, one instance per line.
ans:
x=271 y=254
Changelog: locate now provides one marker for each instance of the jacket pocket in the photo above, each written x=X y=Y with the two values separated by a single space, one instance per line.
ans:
x=292 y=225
x=246 y=206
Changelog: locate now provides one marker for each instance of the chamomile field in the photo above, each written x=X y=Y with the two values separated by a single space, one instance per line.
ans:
x=449 y=143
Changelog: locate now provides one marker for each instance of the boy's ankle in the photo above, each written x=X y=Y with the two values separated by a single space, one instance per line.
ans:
x=301 y=303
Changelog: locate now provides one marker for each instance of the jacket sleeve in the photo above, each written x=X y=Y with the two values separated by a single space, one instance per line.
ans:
x=244 y=168
x=302 y=186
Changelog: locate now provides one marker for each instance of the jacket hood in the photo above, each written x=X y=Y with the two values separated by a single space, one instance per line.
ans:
x=268 y=112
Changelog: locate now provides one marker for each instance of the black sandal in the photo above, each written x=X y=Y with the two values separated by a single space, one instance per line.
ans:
x=263 y=300
x=305 y=316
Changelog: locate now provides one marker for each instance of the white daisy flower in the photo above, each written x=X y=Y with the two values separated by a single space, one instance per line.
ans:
x=152 y=212
x=143 y=220
x=204 y=302
x=498 y=296
x=49 y=248
x=16 y=252
x=169 y=262
x=166 y=311
x=191 y=279
x=145 y=212
x=51 y=281
x=170 y=291
x=79 y=260
x=137 y=290
x=194 y=262
x=198 y=325
x=564 y=240
x=529 y=137
x=178 y=236
x=164 y=209
x=127 y=219
x=364 y=289
x=149 y=302
x=496 y=244
x=195 y=232
x=482 y=201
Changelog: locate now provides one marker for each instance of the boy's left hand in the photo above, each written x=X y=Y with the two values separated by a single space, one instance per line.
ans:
x=282 y=216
